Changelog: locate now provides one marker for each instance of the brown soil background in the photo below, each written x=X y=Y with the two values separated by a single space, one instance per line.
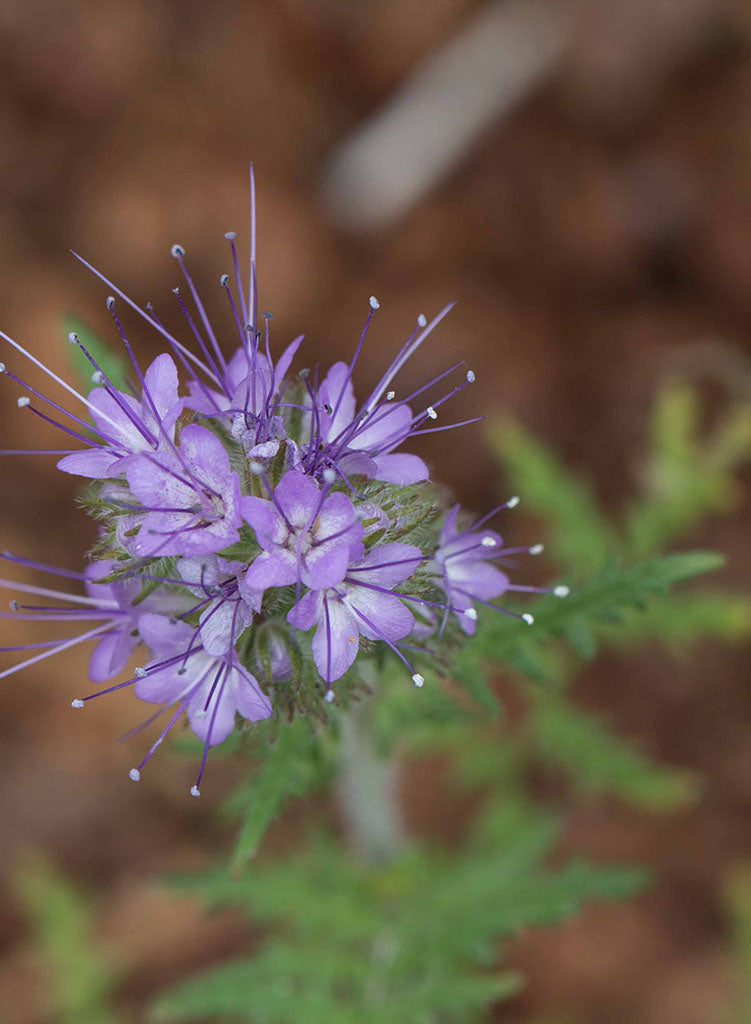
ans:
x=595 y=235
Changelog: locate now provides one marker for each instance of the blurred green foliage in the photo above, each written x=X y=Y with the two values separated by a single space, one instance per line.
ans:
x=81 y=977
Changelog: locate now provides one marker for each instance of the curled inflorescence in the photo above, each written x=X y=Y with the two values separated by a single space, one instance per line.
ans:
x=260 y=531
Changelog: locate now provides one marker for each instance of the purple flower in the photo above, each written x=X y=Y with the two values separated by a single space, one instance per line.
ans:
x=126 y=427
x=360 y=605
x=108 y=605
x=463 y=563
x=251 y=387
x=190 y=500
x=307 y=534
x=228 y=605
x=184 y=676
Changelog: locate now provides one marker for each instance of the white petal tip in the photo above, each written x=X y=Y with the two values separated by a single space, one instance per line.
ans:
x=374 y=303
x=134 y=775
x=529 y=619
x=418 y=680
x=512 y=502
x=329 y=696
x=76 y=703
x=195 y=791
x=177 y=251
x=471 y=613
x=537 y=549
x=561 y=591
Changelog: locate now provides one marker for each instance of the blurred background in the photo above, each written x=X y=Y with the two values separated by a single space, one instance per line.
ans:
x=577 y=174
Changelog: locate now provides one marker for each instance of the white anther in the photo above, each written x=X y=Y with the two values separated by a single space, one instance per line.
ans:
x=390 y=396
x=329 y=696
x=537 y=549
x=431 y=412
x=134 y=775
x=224 y=280
x=73 y=338
x=529 y=619
x=422 y=320
x=471 y=613
x=471 y=376
x=177 y=250
x=2 y=367
x=489 y=542
x=374 y=303
x=23 y=401
x=195 y=791
x=561 y=591
x=255 y=467
x=329 y=475
x=140 y=672
x=110 y=301
x=98 y=377
x=417 y=679
x=230 y=235
x=512 y=502
x=13 y=605
x=201 y=713
x=76 y=703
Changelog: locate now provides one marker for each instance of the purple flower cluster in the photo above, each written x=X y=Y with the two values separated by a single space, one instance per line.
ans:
x=259 y=531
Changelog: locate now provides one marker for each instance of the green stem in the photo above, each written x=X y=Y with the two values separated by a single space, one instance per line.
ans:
x=368 y=790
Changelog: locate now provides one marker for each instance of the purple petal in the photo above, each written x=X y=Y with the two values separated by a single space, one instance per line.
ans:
x=221 y=624
x=401 y=469
x=206 y=456
x=92 y=462
x=219 y=717
x=299 y=497
x=449 y=528
x=264 y=519
x=388 y=564
x=306 y=611
x=249 y=700
x=326 y=566
x=335 y=642
x=111 y=654
x=383 y=427
x=275 y=568
x=336 y=392
x=387 y=618
x=284 y=361
x=161 y=382
x=477 y=578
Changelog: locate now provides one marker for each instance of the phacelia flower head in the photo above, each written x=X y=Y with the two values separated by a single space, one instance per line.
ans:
x=261 y=533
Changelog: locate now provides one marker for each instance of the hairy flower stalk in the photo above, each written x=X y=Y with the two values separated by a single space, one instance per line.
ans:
x=263 y=537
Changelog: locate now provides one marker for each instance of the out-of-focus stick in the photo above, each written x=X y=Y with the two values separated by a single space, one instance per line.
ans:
x=507 y=49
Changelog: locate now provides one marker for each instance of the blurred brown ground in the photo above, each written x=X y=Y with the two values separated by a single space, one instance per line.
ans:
x=594 y=235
